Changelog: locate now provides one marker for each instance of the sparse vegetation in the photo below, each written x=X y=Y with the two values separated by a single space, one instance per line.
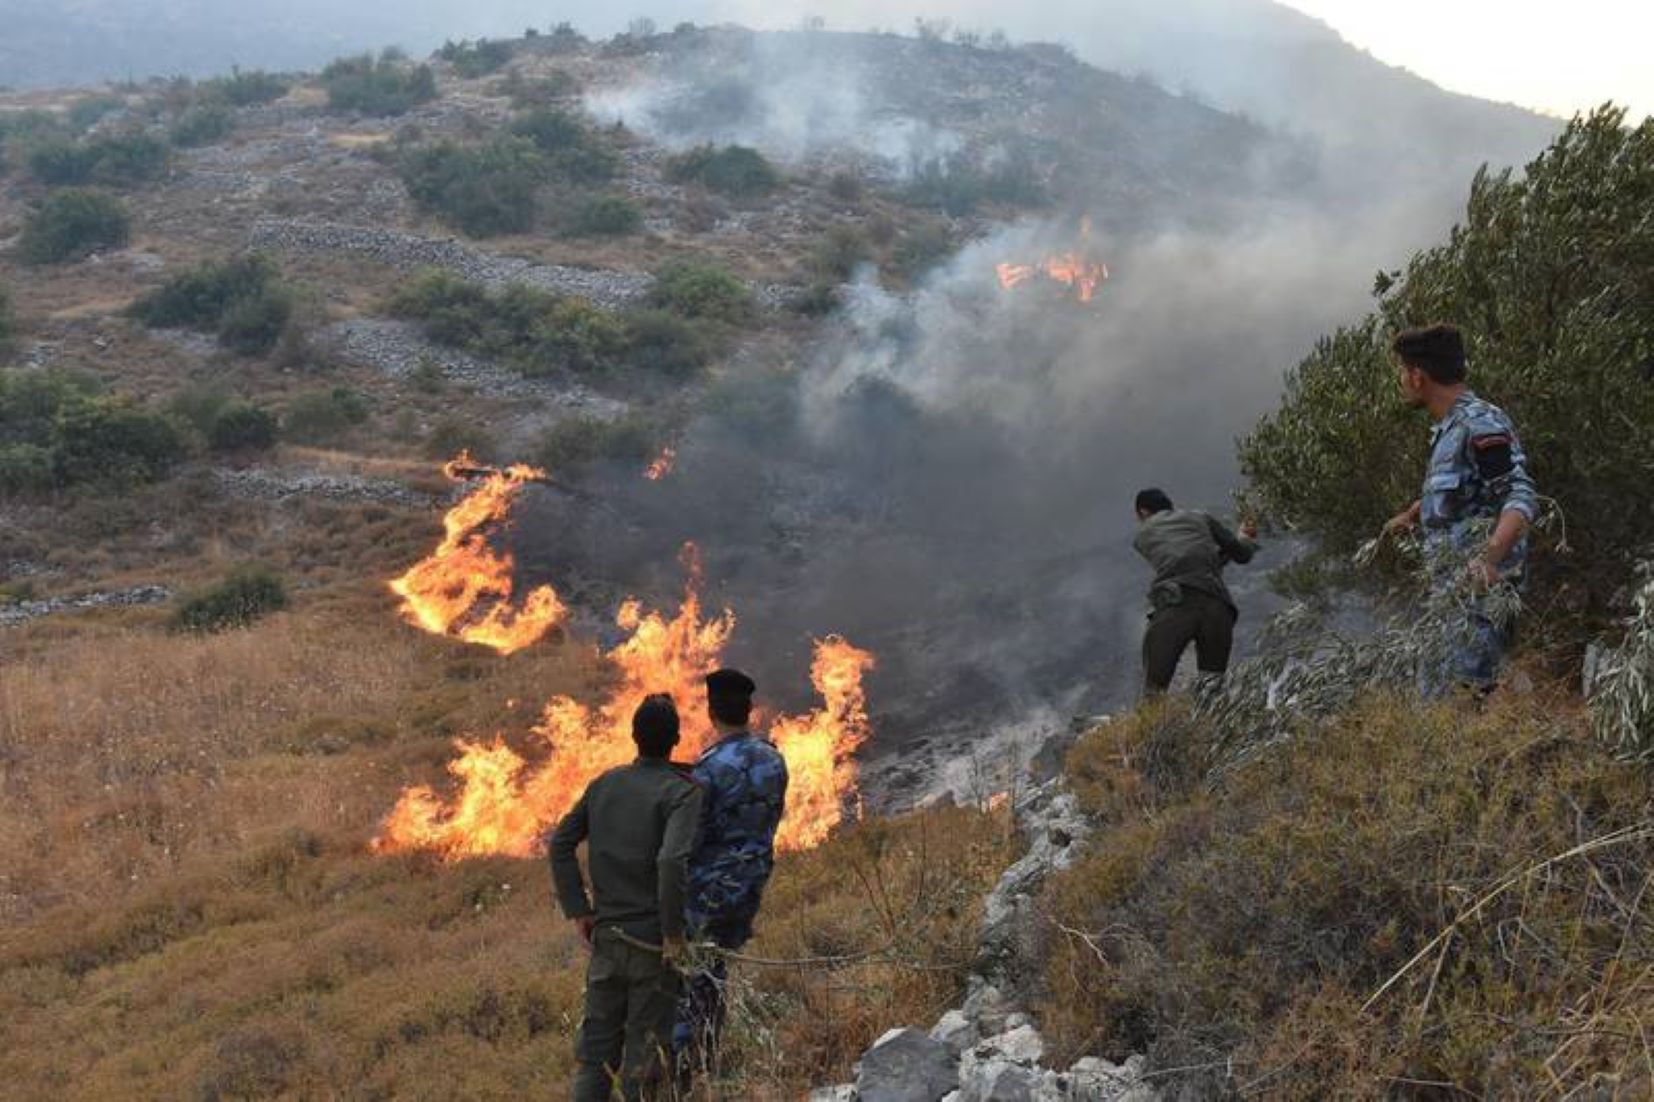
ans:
x=244 y=301
x=957 y=185
x=735 y=170
x=72 y=223
x=244 y=597
x=573 y=152
x=383 y=85
x=547 y=91
x=250 y=88
x=8 y=320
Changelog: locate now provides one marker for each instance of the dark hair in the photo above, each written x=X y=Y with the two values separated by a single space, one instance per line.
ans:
x=1153 y=501
x=1436 y=350
x=655 y=726
x=729 y=696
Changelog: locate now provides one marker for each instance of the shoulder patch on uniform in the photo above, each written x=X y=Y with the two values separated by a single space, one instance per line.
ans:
x=1493 y=454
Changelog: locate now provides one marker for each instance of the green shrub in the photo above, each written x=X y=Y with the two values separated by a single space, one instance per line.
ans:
x=957 y=185
x=26 y=468
x=116 y=160
x=664 y=343
x=87 y=113
x=572 y=151
x=72 y=223
x=377 y=86
x=580 y=440
x=202 y=125
x=840 y=252
x=735 y=170
x=8 y=319
x=537 y=332
x=198 y=406
x=245 y=596
x=319 y=416
x=699 y=290
x=109 y=440
x=242 y=300
x=606 y=216
x=243 y=89
x=242 y=426
x=1548 y=277
x=554 y=87
x=482 y=190
x=476 y=59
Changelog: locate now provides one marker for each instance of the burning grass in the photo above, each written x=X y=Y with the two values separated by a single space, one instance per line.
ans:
x=1409 y=901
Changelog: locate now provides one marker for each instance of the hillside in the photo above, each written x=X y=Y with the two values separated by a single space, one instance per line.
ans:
x=839 y=356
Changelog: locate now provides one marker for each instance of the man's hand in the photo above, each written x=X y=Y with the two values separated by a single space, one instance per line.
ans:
x=1404 y=521
x=585 y=924
x=1483 y=574
x=674 y=952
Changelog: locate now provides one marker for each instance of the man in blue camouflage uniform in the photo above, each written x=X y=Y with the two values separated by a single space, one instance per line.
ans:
x=743 y=780
x=1477 y=504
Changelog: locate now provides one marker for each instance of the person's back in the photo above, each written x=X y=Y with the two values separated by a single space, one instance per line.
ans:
x=640 y=822
x=745 y=781
x=1188 y=600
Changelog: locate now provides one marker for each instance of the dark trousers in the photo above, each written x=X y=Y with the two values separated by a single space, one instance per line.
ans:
x=1198 y=618
x=626 y=1036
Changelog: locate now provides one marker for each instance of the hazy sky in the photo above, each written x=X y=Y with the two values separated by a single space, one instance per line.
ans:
x=1547 y=55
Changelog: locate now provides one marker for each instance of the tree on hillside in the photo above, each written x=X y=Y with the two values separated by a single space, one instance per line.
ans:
x=1551 y=275
x=73 y=223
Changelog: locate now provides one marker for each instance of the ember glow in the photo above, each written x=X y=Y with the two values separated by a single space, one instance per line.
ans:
x=504 y=801
x=465 y=588
x=662 y=465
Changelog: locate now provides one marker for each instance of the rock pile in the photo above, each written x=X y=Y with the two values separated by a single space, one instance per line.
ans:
x=24 y=611
x=988 y=1050
x=263 y=484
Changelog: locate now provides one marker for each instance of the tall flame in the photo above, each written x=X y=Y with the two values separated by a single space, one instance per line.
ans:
x=504 y=804
x=465 y=588
x=662 y=464
x=1071 y=269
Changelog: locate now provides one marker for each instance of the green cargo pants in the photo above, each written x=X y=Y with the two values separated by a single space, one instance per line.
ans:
x=1197 y=618
x=626 y=1037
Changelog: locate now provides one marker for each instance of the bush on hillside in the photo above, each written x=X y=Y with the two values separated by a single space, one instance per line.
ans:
x=242 y=426
x=553 y=88
x=244 y=597
x=322 y=416
x=72 y=223
x=88 y=112
x=26 y=469
x=8 y=319
x=839 y=253
x=735 y=170
x=700 y=290
x=957 y=185
x=605 y=216
x=482 y=190
x=250 y=88
x=576 y=441
x=381 y=85
x=537 y=332
x=114 y=160
x=243 y=301
x=663 y=343
x=573 y=152
x=203 y=125
x=476 y=59
x=1548 y=276
x=112 y=441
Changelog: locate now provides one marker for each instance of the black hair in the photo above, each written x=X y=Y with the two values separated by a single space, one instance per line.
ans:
x=1436 y=350
x=655 y=726
x=729 y=696
x=1153 y=501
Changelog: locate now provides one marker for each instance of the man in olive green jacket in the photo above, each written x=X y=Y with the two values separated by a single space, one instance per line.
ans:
x=639 y=822
x=1188 y=602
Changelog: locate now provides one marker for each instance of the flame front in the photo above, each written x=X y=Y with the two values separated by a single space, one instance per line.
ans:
x=465 y=587
x=1072 y=270
x=503 y=804
x=662 y=465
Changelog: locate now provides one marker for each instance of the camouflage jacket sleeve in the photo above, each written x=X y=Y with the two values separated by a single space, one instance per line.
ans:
x=1493 y=451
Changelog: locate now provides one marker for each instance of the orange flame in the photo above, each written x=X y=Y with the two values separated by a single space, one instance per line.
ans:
x=662 y=465
x=464 y=588
x=504 y=805
x=1071 y=269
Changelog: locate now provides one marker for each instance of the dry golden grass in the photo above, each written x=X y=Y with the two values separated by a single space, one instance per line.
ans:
x=1254 y=930
x=189 y=908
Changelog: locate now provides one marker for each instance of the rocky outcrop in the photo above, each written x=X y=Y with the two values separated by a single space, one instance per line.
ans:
x=265 y=484
x=24 y=611
x=988 y=1049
